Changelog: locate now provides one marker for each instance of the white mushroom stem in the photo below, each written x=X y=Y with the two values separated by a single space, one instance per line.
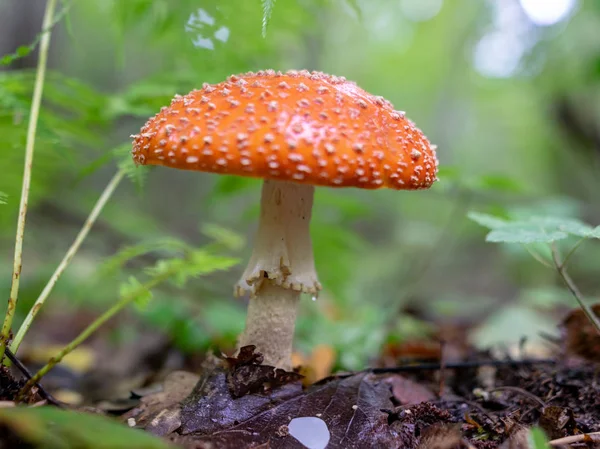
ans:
x=280 y=268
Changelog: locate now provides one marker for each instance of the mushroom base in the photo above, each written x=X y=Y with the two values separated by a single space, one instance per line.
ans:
x=283 y=250
x=270 y=324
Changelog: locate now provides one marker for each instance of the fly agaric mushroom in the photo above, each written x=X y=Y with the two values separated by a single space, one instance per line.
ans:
x=296 y=130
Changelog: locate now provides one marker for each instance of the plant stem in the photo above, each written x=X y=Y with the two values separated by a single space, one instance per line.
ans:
x=537 y=256
x=572 y=251
x=91 y=328
x=104 y=197
x=562 y=271
x=29 y=147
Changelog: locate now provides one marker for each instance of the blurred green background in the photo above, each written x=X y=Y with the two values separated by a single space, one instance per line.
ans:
x=509 y=90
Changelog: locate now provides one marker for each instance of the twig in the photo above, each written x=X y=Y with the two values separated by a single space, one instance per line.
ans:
x=562 y=271
x=29 y=147
x=108 y=191
x=537 y=256
x=572 y=251
x=91 y=328
x=522 y=392
x=43 y=393
x=459 y=365
x=593 y=437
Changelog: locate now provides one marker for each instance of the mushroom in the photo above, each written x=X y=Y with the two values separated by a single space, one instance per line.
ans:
x=296 y=130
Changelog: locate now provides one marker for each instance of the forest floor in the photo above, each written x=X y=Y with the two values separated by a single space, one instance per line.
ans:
x=479 y=400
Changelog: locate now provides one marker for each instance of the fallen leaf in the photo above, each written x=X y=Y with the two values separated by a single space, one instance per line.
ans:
x=246 y=374
x=518 y=440
x=177 y=386
x=442 y=436
x=351 y=407
x=316 y=367
x=80 y=360
x=407 y=392
x=557 y=421
x=581 y=339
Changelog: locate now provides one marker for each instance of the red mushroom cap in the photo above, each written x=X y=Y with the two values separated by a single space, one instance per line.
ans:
x=300 y=126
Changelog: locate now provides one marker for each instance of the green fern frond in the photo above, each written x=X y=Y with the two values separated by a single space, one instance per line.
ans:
x=24 y=50
x=137 y=174
x=163 y=247
x=142 y=296
x=268 y=6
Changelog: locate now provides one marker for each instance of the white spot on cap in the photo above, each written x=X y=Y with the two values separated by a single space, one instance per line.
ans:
x=192 y=159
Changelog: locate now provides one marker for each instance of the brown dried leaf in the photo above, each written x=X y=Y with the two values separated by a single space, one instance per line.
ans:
x=351 y=407
x=557 y=421
x=442 y=436
x=581 y=339
x=246 y=374
x=408 y=392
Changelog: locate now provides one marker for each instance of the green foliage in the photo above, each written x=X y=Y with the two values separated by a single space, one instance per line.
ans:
x=51 y=427
x=268 y=6
x=136 y=174
x=176 y=260
x=134 y=287
x=25 y=50
x=534 y=229
x=3 y=198
x=537 y=439
x=71 y=119
x=162 y=246
x=195 y=263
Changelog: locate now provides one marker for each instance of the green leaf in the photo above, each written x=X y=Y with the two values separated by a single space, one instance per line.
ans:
x=3 y=198
x=569 y=225
x=142 y=296
x=137 y=174
x=196 y=263
x=595 y=233
x=533 y=229
x=268 y=6
x=519 y=232
x=537 y=439
x=51 y=427
x=486 y=220
x=162 y=247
